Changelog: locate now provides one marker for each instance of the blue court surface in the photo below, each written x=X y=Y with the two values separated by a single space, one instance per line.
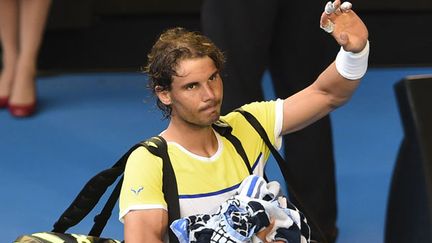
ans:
x=86 y=121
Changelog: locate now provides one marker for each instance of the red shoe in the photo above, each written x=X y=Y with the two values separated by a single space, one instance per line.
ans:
x=22 y=110
x=4 y=102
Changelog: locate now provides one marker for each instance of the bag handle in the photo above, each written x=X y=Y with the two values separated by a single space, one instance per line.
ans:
x=90 y=195
x=101 y=219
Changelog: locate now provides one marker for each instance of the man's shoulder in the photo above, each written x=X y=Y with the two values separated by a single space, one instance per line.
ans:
x=257 y=109
x=141 y=153
x=267 y=113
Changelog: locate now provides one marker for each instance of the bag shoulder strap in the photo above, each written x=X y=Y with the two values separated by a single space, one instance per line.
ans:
x=261 y=131
x=283 y=166
x=225 y=130
x=169 y=182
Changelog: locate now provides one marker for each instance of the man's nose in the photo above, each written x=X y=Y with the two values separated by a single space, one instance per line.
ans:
x=207 y=92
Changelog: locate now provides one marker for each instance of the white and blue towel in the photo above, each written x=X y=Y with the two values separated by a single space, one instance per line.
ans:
x=239 y=218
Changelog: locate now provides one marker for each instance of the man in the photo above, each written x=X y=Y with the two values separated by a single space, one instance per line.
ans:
x=184 y=72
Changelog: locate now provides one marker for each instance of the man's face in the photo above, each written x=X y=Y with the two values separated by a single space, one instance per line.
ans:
x=196 y=93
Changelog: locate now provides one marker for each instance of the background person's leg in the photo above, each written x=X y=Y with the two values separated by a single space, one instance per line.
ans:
x=9 y=44
x=32 y=19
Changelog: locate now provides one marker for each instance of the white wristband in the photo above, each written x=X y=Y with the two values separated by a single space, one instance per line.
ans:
x=352 y=65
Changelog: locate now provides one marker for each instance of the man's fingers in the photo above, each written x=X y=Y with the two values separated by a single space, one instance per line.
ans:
x=263 y=233
x=329 y=8
x=336 y=4
x=331 y=12
x=346 y=7
x=324 y=18
x=337 y=8
x=332 y=7
x=326 y=24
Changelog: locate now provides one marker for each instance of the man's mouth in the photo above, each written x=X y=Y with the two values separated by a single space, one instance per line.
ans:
x=209 y=107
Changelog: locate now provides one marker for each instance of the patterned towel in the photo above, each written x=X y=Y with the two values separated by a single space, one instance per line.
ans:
x=239 y=218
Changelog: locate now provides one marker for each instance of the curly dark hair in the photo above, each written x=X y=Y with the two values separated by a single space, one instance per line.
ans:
x=173 y=46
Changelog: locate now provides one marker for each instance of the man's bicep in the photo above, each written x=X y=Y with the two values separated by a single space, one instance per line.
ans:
x=304 y=108
x=148 y=225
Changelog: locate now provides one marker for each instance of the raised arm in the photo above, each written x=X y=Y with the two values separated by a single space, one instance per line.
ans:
x=145 y=226
x=337 y=82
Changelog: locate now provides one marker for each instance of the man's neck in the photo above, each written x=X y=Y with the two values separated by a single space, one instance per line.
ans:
x=196 y=139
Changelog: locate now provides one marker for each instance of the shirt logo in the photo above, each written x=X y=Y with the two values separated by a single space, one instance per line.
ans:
x=137 y=191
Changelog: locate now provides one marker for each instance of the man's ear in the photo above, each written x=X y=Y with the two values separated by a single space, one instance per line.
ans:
x=163 y=95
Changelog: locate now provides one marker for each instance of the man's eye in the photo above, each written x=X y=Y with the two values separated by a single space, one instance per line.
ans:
x=213 y=77
x=190 y=86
